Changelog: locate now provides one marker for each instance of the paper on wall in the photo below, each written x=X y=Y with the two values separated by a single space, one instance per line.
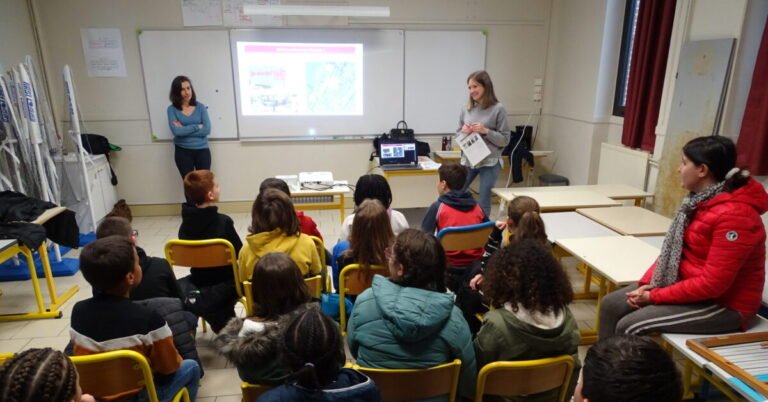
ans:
x=232 y=11
x=201 y=12
x=474 y=148
x=103 y=50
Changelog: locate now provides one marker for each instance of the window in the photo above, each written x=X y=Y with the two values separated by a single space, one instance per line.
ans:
x=625 y=57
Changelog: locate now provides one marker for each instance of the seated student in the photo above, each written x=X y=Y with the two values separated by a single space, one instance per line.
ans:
x=279 y=294
x=628 y=368
x=374 y=186
x=203 y=221
x=110 y=321
x=317 y=367
x=523 y=222
x=158 y=289
x=368 y=242
x=531 y=320
x=40 y=375
x=710 y=273
x=275 y=227
x=306 y=224
x=158 y=279
x=454 y=207
x=409 y=321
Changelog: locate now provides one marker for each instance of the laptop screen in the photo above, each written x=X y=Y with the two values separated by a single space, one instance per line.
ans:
x=393 y=152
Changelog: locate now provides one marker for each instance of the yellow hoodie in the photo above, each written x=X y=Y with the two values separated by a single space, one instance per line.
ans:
x=301 y=248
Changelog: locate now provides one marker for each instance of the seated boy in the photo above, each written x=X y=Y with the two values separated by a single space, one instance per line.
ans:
x=201 y=221
x=454 y=207
x=306 y=224
x=110 y=321
x=158 y=279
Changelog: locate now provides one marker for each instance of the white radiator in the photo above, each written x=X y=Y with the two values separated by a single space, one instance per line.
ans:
x=622 y=165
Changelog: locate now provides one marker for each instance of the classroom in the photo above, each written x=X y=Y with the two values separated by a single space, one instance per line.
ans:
x=562 y=69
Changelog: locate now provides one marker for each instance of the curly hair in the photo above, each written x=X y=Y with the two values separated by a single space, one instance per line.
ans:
x=526 y=274
x=38 y=375
x=423 y=260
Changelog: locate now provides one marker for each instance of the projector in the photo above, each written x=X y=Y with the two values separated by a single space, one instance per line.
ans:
x=325 y=178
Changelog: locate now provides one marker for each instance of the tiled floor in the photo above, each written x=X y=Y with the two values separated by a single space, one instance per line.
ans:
x=221 y=382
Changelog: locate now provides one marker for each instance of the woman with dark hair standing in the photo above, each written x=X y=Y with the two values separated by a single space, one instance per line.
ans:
x=189 y=122
x=709 y=276
x=485 y=115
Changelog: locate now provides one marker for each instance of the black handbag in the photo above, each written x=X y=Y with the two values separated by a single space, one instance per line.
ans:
x=401 y=133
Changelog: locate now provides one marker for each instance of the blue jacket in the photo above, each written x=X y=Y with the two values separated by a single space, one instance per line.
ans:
x=399 y=327
x=350 y=386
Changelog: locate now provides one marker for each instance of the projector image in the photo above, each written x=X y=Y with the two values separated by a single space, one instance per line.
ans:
x=325 y=178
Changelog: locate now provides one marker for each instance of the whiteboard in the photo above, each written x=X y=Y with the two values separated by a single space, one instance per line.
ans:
x=204 y=57
x=437 y=64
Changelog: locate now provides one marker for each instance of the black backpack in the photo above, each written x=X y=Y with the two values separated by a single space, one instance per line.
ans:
x=97 y=144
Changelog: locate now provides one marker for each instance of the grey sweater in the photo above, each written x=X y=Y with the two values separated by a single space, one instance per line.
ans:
x=495 y=119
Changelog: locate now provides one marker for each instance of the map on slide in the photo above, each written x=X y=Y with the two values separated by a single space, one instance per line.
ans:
x=300 y=79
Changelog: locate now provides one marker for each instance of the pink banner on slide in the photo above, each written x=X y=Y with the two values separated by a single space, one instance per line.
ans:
x=299 y=49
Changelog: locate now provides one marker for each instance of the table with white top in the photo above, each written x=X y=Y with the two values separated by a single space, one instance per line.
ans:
x=308 y=198
x=695 y=363
x=559 y=201
x=629 y=221
x=619 y=192
x=615 y=261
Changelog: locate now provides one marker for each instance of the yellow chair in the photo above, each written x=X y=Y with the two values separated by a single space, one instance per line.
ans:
x=513 y=378
x=314 y=284
x=252 y=391
x=353 y=280
x=457 y=238
x=326 y=279
x=411 y=384
x=4 y=357
x=202 y=254
x=118 y=373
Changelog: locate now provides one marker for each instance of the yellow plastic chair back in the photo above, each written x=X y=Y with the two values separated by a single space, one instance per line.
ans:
x=118 y=373
x=527 y=377
x=252 y=391
x=326 y=279
x=411 y=384
x=202 y=254
x=4 y=357
x=353 y=280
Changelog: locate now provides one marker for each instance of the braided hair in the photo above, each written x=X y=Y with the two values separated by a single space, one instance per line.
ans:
x=312 y=349
x=38 y=375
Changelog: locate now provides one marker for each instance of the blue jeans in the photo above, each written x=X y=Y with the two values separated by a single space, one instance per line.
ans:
x=188 y=375
x=488 y=176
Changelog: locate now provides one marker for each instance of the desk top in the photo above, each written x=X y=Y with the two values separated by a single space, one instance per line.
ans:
x=629 y=221
x=613 y=191
x=555 y=201
x=621 y=259
x=456 y=155
x=565 y=225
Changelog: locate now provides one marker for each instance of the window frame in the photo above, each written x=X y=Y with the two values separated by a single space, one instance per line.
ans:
x=622 y=78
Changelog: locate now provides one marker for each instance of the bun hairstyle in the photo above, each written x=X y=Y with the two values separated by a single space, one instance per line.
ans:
x=38 y=375
x=719 y=154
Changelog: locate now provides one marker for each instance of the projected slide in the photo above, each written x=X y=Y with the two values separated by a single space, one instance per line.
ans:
x=295 y=79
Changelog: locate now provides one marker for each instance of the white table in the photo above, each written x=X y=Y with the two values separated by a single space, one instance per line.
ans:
x=696 y=363
x=655 y=241
x=337 y=193
x=559 y=201
x=613 y=191
x=629 y=221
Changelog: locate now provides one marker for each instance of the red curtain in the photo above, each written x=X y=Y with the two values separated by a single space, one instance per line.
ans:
x=752 y=145
x=646 y=74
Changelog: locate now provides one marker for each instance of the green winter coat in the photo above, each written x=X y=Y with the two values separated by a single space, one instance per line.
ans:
x=504 y=337
x=399 y=327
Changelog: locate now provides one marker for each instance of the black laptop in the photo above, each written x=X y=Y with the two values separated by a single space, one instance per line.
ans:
x=398 y=155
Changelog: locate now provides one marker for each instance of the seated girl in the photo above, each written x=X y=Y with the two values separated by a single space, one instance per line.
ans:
x=371 y=235
x=275 y=228
x=409 y=321
x=374 y=186
x=41 y=375
x=316 y=367
x=279 y=294
x=531 y=320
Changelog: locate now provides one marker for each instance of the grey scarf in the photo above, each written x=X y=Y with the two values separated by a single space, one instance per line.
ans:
x=668 y=264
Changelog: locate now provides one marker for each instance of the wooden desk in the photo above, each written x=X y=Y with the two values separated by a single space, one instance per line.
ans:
x=629 y=221
x=11 y=248
x=618 y=192
x=558 y=201
x=616 y=261
x=695 y=363
x=337 y=192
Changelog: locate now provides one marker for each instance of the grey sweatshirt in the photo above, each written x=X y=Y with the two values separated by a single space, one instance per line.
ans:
x=495 y=119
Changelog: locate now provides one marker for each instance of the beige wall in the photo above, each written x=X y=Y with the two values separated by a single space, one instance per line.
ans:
x=17 y=33
x=117 y=107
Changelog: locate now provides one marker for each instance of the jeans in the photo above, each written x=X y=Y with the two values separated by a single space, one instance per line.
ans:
x=488 y=176
x=188 y=160
x=188 y=375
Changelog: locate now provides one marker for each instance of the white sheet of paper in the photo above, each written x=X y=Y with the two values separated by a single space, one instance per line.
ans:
x=232 y=11
x=103 y=50
x=474 y=148
x=197 y=13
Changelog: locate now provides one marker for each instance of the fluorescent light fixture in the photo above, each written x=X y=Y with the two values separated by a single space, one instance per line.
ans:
x=340 y=11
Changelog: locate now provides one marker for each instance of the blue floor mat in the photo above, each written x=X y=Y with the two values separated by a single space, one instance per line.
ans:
x=66 y=267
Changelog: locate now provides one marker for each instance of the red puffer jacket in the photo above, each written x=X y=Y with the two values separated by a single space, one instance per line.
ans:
x=723 y=254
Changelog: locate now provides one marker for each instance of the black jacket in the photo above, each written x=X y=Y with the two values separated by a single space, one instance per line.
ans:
x=208 y=223
x=158 y=279
x=182 y=323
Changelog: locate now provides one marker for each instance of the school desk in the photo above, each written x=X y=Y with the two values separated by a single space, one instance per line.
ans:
x=558 y=201
x=619 y=192
x=308 y=198
x=629 y=221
